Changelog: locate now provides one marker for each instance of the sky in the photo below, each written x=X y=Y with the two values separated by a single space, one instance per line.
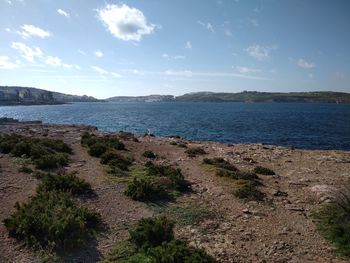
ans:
x=141 y=47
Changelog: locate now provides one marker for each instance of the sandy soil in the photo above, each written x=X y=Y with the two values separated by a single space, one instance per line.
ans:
x=279 y=229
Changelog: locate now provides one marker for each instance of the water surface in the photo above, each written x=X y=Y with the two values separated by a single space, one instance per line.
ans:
x=310 y=126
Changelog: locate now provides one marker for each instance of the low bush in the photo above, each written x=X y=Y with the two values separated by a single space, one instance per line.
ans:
x=44 y=153
x=220 y=163
x=97 y=149
x=263 y=170
x=333 y=222
x=53 y=220
x=63 y=183
x=192 y=152
x=51 y=161
x=247 y=190
x=25 y=169
x=146 y=189
x=152 y=232
x=108 y=141
x=88 y=139
x=115 y=160
x=177 y=180
x=153 y=241
x=190 y=214
x=236 y=175
x=149 y=154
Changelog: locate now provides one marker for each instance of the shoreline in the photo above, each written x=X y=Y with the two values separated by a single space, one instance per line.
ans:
x=5 y=120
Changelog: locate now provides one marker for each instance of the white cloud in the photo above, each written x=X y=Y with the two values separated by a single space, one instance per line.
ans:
x=5 y=63
x=176 y=57
x=207 y=26
x=7 y=29
x=304 y=64
x=254 y=22
x=98 y=53
x=105 y=72
x=179 y=57
x=100 y=70
x=27 y=52
x=57 y=62
x=228 y=32
x=246 y=70
x=63 y=13
x=82 y=52
x=188 y=45
x=260 y=52
x=33 y=31
x=117 y=75
x=124 y=22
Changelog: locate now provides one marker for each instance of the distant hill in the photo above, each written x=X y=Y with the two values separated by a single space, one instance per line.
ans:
x=12 y=95
x=149 y=98
x=254 y=96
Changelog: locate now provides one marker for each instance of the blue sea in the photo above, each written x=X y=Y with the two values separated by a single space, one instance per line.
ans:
x=309 y=126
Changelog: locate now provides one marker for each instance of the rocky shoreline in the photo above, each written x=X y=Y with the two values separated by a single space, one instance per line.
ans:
x=279 y=228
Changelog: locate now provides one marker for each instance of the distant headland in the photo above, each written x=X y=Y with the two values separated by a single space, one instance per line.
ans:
x=13 y=95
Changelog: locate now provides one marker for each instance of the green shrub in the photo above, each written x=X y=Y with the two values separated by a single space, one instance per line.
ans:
x=149 y=154
x=88 y=139
x=236 y=175
x=247 y=190
x=21 y=148
x=190 y=214
x=177 y=251
x=220 y=163
x=44 y=153
x=333 y=222
x=113 y=159
x=25 y=169
x=263 y=170
x=145 y=189
x=177 y=180
x=51 y=161
x=63 y=183
x=52 y=219
x=97 y=149
x=152 y=232
x=195 y=151
x=56 y=145
x=153 y=241
x=8 y=142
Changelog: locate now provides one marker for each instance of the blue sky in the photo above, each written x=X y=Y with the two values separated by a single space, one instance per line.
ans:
x=110 y=48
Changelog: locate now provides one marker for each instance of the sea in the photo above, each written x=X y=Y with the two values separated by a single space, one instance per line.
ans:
x=299 y=125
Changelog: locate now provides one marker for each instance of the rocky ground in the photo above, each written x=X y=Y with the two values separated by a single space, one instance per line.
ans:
x=278 y=229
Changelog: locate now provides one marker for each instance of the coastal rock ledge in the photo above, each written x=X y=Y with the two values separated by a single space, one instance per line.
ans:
x=276 y=227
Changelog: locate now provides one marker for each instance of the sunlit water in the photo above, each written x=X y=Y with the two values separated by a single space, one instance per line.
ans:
x=310 y=126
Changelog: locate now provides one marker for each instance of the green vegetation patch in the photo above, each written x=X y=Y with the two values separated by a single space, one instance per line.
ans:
x=153 y=241
x=52 y=220
x=333 y=222
x=146 y=189
x=45 y=153
x=63 y=183
x=263 y=170
x=106 y=148
x=245 y=183
x=192 y=152
x=149 y=154
x=189 y=215
x=170 y=176
x=220 y=163
x=156 y=182
x=245 y=189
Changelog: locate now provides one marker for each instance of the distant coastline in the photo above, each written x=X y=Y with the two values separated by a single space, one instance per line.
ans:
x=13 y=95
